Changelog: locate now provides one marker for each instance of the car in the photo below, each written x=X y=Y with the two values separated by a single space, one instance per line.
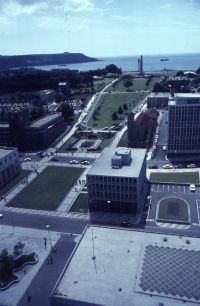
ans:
x=192 y=188
x=85 y=162
x=1 y=215
x=27 y=159
x=153 y=167
x=167 y=167
x=124 y=224
x=54 y=159
x=191 y=166
x=73 y=161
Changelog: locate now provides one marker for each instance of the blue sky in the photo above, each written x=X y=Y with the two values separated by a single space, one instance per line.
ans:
x=100 y=27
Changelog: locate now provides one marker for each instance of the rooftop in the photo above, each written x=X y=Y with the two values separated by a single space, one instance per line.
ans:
x=44 y=120
x=187 y=95
x=159 y=95
x=5 y=150
x=103 y=165
x=115 y=267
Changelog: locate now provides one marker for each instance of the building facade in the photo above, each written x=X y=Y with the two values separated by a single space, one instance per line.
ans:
x=116 y=181
x=159 y=100
x=142 y=129
x=9 y=164
x=184 y=124
x=38 y=134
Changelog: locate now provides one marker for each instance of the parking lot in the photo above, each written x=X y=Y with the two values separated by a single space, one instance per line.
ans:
x=160 y=191
x=173 y=188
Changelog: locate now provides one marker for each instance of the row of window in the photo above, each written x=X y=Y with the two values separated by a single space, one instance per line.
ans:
x=112 y=187
x=105 y=179
x=113 y=196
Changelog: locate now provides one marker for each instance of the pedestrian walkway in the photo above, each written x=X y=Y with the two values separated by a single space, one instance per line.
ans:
x=73 y=193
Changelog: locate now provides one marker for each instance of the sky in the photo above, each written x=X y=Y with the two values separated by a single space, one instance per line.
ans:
x=99 y=28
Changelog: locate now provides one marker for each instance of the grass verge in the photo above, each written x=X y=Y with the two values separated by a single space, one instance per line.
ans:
x=48 y=189
x=175 y=177
x=14 y=182
x=173 y=209
x=80 y=204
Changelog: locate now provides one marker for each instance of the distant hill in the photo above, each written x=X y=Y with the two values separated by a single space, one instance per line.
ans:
x=15 y=61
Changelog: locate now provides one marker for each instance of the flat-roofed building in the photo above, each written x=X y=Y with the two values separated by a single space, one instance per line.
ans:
x=9 y=164
x=116 y=181
x=120 y=267
x=38 y=134
x=159 y=100
x=184 y=124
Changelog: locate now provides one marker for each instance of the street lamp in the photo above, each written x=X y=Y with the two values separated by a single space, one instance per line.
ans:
x=47 y=227
x=12 y=220
x=108 y=202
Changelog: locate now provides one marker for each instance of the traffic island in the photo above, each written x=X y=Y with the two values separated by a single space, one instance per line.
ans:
x=173 y=210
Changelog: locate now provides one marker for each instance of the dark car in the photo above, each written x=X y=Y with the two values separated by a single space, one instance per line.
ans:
x=153 y=167
x=124 y=223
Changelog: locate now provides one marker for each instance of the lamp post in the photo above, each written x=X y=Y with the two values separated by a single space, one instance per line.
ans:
x=48 y=227
x=108 y=202
x=12 y=220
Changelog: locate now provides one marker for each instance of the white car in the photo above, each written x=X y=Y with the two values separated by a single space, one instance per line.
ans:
x=85 y=162
x=27 y=159
x=192 y=188
x=73 y=161
x=167 y=167
x=191 y=166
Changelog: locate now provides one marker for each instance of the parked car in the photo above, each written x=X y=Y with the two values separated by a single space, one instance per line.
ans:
x=191 y=166
x=153 y=167
x=73 y=161
x=192 y=188
x=54 y=159
x=85 y=162
x=167 y=167
x=27 y=159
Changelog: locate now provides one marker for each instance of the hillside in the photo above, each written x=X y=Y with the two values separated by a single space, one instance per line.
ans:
x=16 y=61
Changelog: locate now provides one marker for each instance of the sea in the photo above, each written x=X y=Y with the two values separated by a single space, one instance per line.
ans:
x=130 y=63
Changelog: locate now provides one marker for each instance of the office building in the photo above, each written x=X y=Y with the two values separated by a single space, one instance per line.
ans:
x=116 y=181
x=159 y=100
x=9 y=164
x=26 y=135
x=184 y=124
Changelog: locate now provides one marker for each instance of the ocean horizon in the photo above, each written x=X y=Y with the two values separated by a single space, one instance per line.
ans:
x=130 y=63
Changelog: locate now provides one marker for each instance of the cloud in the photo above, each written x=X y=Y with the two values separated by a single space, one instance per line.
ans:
x=18 y=7
x=108 y=2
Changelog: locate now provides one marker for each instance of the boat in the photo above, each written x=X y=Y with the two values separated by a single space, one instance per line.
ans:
x=164 y=59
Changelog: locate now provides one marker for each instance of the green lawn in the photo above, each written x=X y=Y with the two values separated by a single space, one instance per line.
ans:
x=14 y=182
x=110 y=103
x=175 y=177
x=138 y=84
x=173 y=209
x=80 y=204
x=100 y=84
x=48 y=189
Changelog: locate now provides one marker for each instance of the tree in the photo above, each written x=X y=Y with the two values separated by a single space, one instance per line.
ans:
x=125 y=107
x=179 y=73
x=120 y=110
x=114 y=116
x=128 y=83
x=113 y=69
x=66 y=110
x=157 y=87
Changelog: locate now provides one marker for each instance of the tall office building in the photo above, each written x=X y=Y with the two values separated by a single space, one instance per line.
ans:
x=184 y=124
x=116 y=181
x=140 y=66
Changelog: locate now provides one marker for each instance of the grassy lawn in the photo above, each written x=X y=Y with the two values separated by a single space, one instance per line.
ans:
x=48 y=189
x=173 y=209
x=80 y=204
x=14 y=182
x=138 y=84
x=100 y=84
x=65 y=145
x=105 y=143
x=175 y=177
x=110 y=103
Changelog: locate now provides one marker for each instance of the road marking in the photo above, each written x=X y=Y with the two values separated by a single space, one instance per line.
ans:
x=184 y=189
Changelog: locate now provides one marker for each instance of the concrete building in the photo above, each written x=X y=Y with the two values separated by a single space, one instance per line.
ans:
x=9 y=164
x=142 y=129
x=140 y=67
x=32 y=136
x=63 y=88
x=47 y=95
x=116 y=181
x=159 y=100
x=184 y=124
x=118 y=267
